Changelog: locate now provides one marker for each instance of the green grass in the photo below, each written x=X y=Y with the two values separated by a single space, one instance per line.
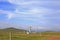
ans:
x=21 y=35
x=51 y=33
x=15 y=36
x=29 y=37
x=33 y=36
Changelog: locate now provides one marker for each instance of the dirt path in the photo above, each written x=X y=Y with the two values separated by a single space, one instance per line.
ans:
x=53 y=38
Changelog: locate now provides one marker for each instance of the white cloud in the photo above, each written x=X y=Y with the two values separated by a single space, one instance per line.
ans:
x=40 y=10
x=9 y=14
x=20 y=2
x=32 y=7
x=34 y=11
x=34 y=2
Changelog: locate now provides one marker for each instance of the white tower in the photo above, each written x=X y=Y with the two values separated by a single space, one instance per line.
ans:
x=29 y=30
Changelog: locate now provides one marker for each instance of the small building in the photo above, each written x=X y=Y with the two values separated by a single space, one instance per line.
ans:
x=27 y=32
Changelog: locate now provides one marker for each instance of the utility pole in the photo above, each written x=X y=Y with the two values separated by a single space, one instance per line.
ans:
x=10 y=34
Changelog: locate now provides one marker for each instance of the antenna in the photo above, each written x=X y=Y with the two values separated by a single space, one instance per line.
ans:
x=30 y=29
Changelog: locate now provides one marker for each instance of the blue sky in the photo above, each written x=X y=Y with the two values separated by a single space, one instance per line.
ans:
x=44 y=14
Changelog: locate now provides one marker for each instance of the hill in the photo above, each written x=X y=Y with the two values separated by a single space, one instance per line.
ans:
x=11 y=29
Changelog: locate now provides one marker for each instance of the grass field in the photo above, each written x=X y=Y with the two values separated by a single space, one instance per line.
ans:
x=15 y=36
x=21 y=35
x=32 y=36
